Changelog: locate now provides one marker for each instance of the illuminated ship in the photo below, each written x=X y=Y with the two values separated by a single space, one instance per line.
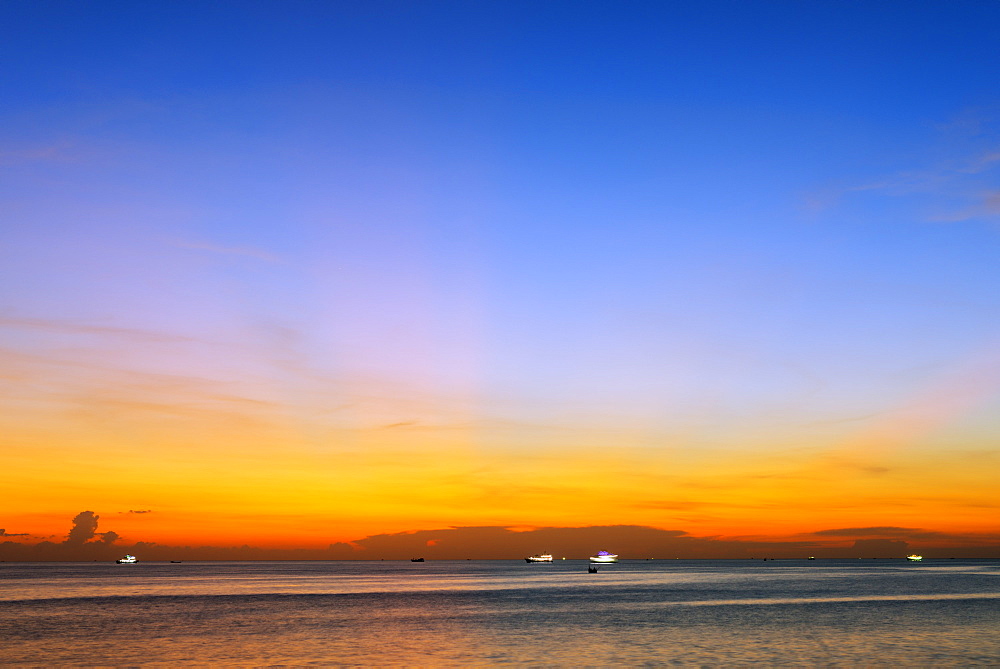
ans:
x=539 y=558
x=128 y=559
x=604 y=557
x=914 y=558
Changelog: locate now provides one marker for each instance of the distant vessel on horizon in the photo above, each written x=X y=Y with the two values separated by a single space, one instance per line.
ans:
x=604 y=557
x=416 y=559
x=545 y=557
x=128 y=559
x=914 y=558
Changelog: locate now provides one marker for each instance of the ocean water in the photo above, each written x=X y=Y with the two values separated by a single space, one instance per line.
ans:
x=474 y=613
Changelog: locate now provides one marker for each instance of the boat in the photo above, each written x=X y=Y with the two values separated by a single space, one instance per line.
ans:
x=416 y=559
x=539 y=558
x=128 y=559
x=914 y=558
x=604 y=557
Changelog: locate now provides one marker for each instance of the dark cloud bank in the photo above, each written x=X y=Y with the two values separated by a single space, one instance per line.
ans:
x=85 y=543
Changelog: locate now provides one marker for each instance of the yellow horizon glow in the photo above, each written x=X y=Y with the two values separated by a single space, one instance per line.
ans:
x=268 y=492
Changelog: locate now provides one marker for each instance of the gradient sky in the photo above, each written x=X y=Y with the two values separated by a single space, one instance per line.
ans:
x=295 y=273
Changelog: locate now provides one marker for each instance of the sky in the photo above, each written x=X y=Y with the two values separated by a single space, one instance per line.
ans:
x=712 y=278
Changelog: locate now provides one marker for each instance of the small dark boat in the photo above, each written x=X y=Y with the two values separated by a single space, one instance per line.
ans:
x=416 y=559
x=175 y=561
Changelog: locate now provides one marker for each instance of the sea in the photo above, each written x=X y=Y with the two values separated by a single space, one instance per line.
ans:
x=799 y=613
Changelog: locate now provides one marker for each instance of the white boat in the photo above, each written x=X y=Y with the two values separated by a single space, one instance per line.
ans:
x=604 y=557
x=128 y=559
x=539 y=558
x=914 y=558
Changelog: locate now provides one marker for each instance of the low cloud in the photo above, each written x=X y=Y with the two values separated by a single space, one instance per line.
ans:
x=868 y=531
x=880 y=548
x=634 y=541
x=84 y=528
x=85 y=543
x=913 y=535
x=109 y=538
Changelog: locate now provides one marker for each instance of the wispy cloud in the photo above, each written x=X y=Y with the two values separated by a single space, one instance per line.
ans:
x=405 y=423
x=956 y=188
x=244 y=251
x=59 y=152
x=678 y=505
x=77 y=328
x=868 y=532
x=982 y=163
x=949 y=397
x=986 y=206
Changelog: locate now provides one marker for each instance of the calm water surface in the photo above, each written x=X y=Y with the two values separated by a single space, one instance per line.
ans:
x=641 y=613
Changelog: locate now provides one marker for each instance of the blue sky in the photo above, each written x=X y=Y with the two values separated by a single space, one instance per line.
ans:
x=600 y=179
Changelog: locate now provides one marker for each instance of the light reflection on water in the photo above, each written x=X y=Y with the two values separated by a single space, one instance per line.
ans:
x=459 y=613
